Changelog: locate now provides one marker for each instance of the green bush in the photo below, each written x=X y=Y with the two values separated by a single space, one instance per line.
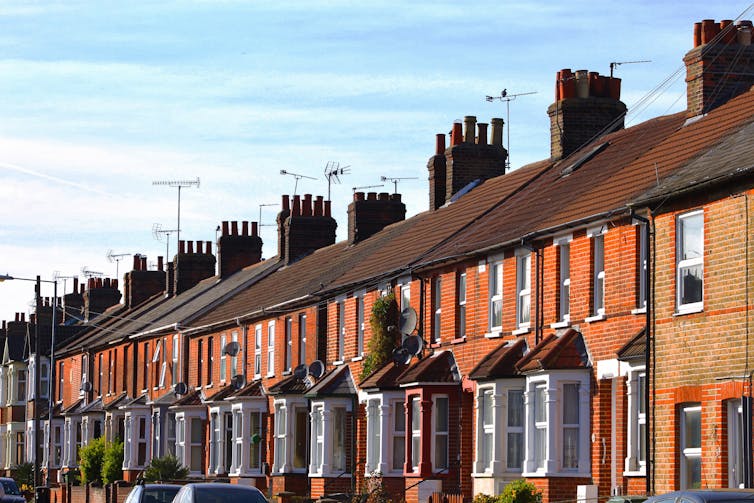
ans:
x=165 y=468
x=112 y=463
x=484 y=498
x=382 y=342
x=23 y=474
x=517 y=491
x=91 y=457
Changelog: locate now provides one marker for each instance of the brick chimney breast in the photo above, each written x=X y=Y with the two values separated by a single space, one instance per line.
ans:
x=140 y=283
x=304 y=229
x=587 y=105
x=190 y=268
x=720 y=66
x=369 y=216
x=100 y=296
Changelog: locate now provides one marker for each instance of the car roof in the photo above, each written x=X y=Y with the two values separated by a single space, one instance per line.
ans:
x=704 y=495
x=150 y=486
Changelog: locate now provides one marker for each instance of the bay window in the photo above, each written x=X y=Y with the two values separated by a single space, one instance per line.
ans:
x=247 y=438
x=291 y=423
x=189 y=442
x=328 y=437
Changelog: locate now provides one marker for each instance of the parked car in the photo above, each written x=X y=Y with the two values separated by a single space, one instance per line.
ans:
x=9 y=492
x=214 y=492
x=627 y=499
x=153 y=493
x=704 y=496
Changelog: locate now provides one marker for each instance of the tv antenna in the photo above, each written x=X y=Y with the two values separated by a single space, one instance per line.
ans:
x=333 y=171
x=158 y=232
x=507 y=98
x=56 y=275
x=179 y=184
x=618 y=63
x=88 y=273
x=367 y=187
x=395 y=180
x=260 y=214
x=297 y=177
x=116 y=257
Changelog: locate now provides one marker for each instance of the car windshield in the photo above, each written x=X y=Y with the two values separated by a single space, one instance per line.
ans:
x=159 y=494
x=226 y=494
x=10 y=487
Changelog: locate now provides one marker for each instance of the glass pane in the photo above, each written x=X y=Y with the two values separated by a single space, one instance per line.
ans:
x=197 y=432
x=691 y=284
x=570 y=448
x=515 y=408
x=339 y=429
x=640 y=385
x=692 y=240
x=540 y=446
x=196 y=458
x=693 y=472
x=693 y=428
x=415 y=415
x=486 y=408
x=399 y=422
x=462 y=288
x=642 y=442
x=441 y=452
x=515 y=450
x=524 y=308
x=571 y=403
x=485 y=449
x=399 y=452
x=497 y=313
x=441 y=417
x=461 y=321
x=415 y=451
x=299 y=453
x=540 y=414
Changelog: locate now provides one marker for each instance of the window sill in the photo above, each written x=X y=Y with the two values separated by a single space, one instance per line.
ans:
x=561 y=324
x=598 y=317
x=579 y=475
x=270 y=375
x=639 y=310
x=313 y=475
x=682 y=311
x=521 y=331
x=640 y=473
x=357 y=358
x=460 y=340
x=338 y=362
x=493 y=335
x=286 y=372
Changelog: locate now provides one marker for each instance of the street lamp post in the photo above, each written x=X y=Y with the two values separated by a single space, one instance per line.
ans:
x=37 y=376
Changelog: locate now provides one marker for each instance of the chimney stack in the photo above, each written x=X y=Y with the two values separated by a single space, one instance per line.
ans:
x=141 y=284
x=305 y=228
x=470 y=157
x=189 y=267
x=73 y=303
x=100 y=296
x=236 y=251
x=371 y=215
x=720 y=66
x=587 y=105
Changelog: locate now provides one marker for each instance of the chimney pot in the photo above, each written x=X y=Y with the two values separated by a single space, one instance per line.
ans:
x=567 y=84
x=697 y=34
x=254 y=229
x=439 y=143
x=728 y=31
x=383 y=196
x=371 y=196
x=82 y=289
x=318 y=206
x=558 y=78
x=234 y=228
x=143 y=263
x=743 y=35
x=470 y=124
x=199 y=247
x=190 y=247
x=75 y=284
x=709 y=30
x=497 y=131
x=395 y=197
x=33 y=319
x=137 y=262
x=99 y=283
x=306 y=206
x=181 y=246
x=582 y=83
x=296 y=205
x=286 y=203
x=328 y=208
x=106 y=283
x=160 y=264
x=114 y=284
x=456 y=135
x=244 y=228
x=208 y=247
x=23 y=317
x=358 y=196
x=482 y=136
x=226 y=227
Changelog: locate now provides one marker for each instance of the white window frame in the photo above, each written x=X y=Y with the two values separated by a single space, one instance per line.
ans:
x=234 y=358
x=689 y=453
x=563 y=245
x=523 y=290
x=462 y=288
x=495 y=280
x=340 y=307
x=496 y=433
x=135 y=437
x=597 y=235
x=284 y=439
x=437 y=308
x=223 y=358
x=551 y=383
x=271 y=348
x=185 y=422
x=243 y=434
x=735 y=441
x=683 y=264
x=438 y=434
x=258 y=351
x=415 y=431
x=170 y=433
x=176 y=355
x=359 y=296
x=375 y=431
x=327 y=411
x=637 y=417
x=288 y=355
x=217 y=446
x=302 y=338
x=641 y=265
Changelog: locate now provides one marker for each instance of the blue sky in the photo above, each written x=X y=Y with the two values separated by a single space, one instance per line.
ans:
x=99 y=99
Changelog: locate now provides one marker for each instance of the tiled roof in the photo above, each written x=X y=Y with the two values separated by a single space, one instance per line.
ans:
x=139 y=401
x=220 y=394
x=565 y=351
x=167 y=399
x=439 y=367
x=385 y=377
x=337 y=382
x=252 y=390
x=95 y=406
x=635 y=349
x=74 y=408
x=120 y=400
x=290 y=386
x=193 y=398
x=500 y=362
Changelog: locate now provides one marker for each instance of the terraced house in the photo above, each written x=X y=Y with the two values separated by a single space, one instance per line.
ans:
x=581 y=322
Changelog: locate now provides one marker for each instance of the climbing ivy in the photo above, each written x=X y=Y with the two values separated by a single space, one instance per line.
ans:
x=383 y=319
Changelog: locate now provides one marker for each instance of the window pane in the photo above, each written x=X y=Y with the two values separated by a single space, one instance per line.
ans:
x=441 y=418
x=399 y=417
x=441 y=452
x=486 y=408
x=570 y=448
x=339 y=437
x=540 y=414
x=691 y=284
x=399 y=452
x=415 y=415
x=693 y=472
x=299 y=454
x=540 y=446
x=515 y=408
x=415 y=451
x=515 y=450
x=571 y=403
x=642 y=442
x=692 y=241
x=693 y=425
x=485 y=449
x=497 y=313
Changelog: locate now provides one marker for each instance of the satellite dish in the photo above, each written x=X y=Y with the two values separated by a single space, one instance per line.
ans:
x=301 y=371
x=316 y=369
x=238 y=381
x=413 y=344
x=401 y=356
x=232 y=348
x=256 y=438
x=86 y=386
x=180 y=388
x=407 y=322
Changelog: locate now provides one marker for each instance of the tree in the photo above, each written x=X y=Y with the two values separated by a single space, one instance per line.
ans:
x=165 y=468
x=382 y=342
x=112 y=464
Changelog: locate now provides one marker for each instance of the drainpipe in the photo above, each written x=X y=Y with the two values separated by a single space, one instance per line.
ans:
x=649 y=464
